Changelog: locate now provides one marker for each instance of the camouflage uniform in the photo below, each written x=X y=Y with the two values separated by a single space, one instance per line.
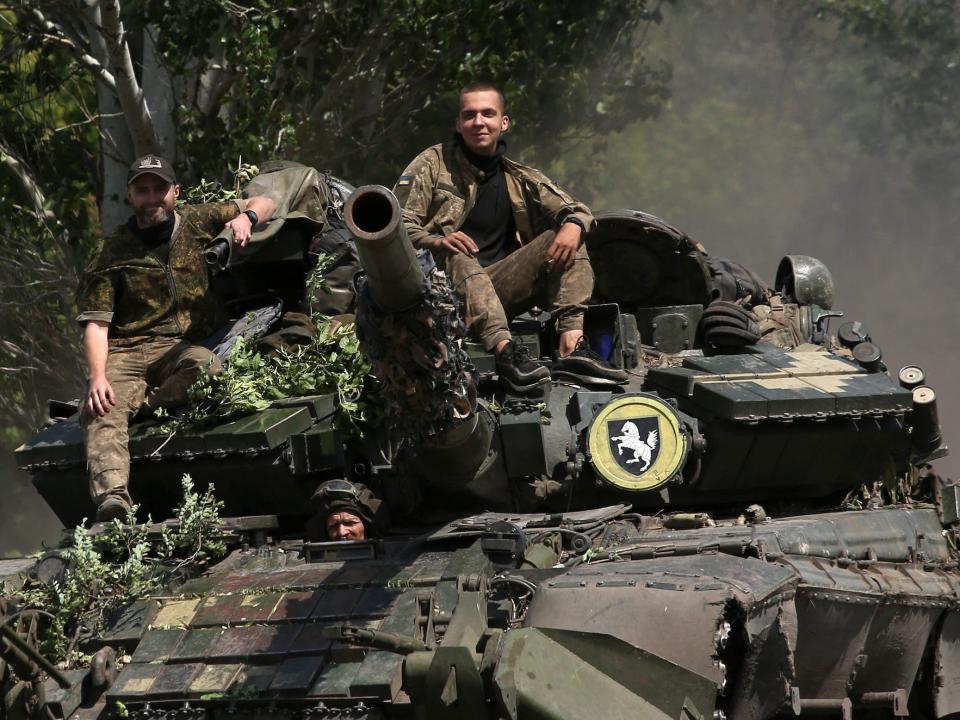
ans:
x=437 y=192
x=780 y=323
x=157 y=313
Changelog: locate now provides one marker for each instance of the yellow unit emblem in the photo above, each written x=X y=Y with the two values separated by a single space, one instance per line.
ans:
x=636 y=442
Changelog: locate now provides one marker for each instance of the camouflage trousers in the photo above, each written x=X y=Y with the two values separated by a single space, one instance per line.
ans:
x=511 y=286
x=153 y=374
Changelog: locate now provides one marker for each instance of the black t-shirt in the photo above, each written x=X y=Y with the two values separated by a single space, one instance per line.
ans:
x=157 y=237
x=490 y=222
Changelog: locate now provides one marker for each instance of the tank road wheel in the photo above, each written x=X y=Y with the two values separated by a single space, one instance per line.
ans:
x=21 y=684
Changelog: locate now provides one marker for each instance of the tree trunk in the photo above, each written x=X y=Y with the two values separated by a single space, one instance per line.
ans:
x=129 y=91
x=116 y=145
x=31 y=192
x=158 y=91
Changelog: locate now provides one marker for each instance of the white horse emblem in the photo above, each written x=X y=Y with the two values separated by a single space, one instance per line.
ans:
x=631 y=441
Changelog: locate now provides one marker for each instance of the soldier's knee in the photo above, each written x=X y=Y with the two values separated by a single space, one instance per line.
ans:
x=460 y=266
x=200 y=360
x=107 y=425
x=213 y=366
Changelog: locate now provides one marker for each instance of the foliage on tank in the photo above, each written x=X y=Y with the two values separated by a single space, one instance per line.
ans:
x=105 y=571
x=330 y=363
x=421 y=348
x=208 y=191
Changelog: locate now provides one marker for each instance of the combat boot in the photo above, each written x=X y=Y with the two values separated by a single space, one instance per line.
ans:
x=112 y=508
x=518 y=370
x=584 y=362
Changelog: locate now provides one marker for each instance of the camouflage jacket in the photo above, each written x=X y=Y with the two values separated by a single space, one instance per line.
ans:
x=128 y=286
x=438 y=189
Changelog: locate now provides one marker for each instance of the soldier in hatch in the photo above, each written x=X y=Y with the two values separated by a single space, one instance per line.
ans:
x=346 y=511
x=507 y=236
x=145 y=305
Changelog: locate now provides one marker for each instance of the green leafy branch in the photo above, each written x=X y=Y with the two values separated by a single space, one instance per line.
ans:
x=208 y=191
x=110 y=569
x=331 y=363
x=316 y=280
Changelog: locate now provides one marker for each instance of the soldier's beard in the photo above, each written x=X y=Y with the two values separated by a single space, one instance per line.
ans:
x=152 y=217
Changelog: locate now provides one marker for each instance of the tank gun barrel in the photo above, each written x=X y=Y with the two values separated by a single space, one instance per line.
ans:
x=372 y=215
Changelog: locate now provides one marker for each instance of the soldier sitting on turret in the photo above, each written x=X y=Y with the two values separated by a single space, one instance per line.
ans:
x=346 y=511
x=508 y=238
x=145 y=305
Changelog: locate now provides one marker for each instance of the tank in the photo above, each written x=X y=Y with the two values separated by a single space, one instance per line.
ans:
x=736 y=532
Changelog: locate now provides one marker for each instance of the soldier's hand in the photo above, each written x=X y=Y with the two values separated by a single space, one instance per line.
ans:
x=100 y=397
x=242 y=229
x=561 y=254
x=458 y=242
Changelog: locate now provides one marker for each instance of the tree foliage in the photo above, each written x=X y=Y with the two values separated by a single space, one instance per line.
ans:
x=844 y=88
x=48 y=153
x=916 y=65
x=359 y=87
x=356 y=88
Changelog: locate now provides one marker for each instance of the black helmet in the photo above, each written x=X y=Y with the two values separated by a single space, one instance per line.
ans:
x=344 y=496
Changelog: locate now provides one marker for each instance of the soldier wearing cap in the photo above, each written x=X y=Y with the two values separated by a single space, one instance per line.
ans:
x=145 y=306
x=346 y=511
x=508 y=237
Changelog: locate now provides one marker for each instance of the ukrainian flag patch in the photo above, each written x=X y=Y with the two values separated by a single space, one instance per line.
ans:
x=405 y=180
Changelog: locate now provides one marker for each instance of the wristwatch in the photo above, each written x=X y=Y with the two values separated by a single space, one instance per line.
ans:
x=252 y=217
x=576 y=221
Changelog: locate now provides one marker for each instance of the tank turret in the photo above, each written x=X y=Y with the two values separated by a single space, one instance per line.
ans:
x=701 y=431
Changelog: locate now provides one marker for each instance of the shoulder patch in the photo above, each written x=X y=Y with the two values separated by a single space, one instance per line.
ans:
x=405 y=180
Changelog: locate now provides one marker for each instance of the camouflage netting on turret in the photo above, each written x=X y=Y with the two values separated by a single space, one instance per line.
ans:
x=427 y=378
